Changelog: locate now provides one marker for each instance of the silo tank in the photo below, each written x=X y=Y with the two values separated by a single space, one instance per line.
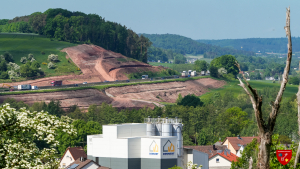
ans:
x=166 y=129
x=158 y=129
x=177 y=128
x=150 y=129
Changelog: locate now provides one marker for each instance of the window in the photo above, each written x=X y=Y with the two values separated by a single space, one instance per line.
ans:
x=217 y=160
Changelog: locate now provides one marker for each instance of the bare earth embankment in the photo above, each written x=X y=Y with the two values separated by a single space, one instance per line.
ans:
x=97 y=65
x=135 y=96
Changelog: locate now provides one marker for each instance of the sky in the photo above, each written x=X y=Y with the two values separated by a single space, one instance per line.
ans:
x=196 y=19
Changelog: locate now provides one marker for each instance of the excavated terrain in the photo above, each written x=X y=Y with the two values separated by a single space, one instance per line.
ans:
x=135 y=96
x=165 y=92
x=82 y=98
x=97 y=65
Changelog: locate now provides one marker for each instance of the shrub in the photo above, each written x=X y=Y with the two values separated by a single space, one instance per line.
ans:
x=42 y=52
x=53 y=58
x=44 y=63
x=30 y=56
x=3 y=75
x=190 y=100
x=23 y=60
x=51 y=65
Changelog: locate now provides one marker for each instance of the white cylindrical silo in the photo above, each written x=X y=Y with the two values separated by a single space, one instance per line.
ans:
x=166 y=128
x=150 y=127
x=158 y=127
x=177 y=128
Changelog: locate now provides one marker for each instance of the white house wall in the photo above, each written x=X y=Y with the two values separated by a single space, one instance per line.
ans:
x=67 y=159
x=222 y=162
x=239 y=153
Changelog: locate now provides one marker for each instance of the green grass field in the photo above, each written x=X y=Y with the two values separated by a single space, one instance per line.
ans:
x=20 y=45
x=177 y=67
x=259 y=85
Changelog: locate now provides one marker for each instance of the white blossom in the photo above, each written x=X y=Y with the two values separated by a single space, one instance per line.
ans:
x=20 y=151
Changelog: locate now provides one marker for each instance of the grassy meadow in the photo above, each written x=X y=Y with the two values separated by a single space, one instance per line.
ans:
x=20 y=45
x=177 y=67
x=259 y=85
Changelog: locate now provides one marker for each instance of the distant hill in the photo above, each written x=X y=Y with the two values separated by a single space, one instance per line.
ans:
x=78 y=27
x=276 y=45
x=184 y=45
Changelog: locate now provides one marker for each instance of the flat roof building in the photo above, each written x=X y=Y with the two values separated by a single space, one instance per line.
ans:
x=155 y=144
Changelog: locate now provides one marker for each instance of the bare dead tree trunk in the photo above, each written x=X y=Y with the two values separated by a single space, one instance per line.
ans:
x=266 y=129
x=298 y=150
x=250 y=163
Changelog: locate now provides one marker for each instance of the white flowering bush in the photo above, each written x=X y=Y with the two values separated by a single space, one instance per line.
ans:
x=51 y=65
x=222 y=71
x=30 y=56
x=32 y=59
x=23 y=60
x=13 y=66
x=19 y=132
x=53 y=58
x=13 y=74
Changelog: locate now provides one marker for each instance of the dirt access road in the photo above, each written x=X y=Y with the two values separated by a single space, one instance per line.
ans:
x=135 y=96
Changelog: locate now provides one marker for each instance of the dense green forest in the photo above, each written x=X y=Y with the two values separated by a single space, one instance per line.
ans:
x=184 y=45
x=78 y=27
x=276 y=45
x=164 y=55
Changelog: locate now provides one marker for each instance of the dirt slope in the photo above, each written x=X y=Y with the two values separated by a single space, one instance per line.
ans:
x=82 y=98
x=96 y=64
x=136 y=96
x=165 y=92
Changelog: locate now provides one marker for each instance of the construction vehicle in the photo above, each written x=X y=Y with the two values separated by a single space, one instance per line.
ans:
x=24 y=87
x=11 y=88
x=144 y=76
x=56 y=83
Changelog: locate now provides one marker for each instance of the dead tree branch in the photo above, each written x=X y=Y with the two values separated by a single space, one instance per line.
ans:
x=266 y=130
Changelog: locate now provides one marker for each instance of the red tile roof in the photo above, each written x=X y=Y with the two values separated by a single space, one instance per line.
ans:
x=234 y=141
x=229 y=156
x=207 y=149
x=76 y=152
x=81 y=164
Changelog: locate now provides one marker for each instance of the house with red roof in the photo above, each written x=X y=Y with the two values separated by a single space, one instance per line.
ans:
x=237 y=144
x=222 y=160
x=82 y=163
x=71 y=155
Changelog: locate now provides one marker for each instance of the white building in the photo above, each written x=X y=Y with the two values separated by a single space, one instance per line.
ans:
x=222 y=160
x=71 y=155
x=155 y=144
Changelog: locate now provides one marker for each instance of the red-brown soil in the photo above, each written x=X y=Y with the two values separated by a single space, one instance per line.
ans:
x=82 y=98
x=165 y=92
x=135 y=96
x=96 y=64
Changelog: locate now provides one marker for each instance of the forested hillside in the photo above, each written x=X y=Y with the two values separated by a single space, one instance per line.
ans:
x=78 y=27
x=276 y=45
x=184 y=45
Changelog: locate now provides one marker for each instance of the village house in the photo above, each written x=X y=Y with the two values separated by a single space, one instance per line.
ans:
x=237 y=144
x=71 y=155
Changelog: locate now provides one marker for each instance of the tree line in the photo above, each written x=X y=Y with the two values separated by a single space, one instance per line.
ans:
x=78 y=27
x=184 y=45
x=261 y=45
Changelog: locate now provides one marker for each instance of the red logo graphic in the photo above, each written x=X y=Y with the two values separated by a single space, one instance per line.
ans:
x=284 y=156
